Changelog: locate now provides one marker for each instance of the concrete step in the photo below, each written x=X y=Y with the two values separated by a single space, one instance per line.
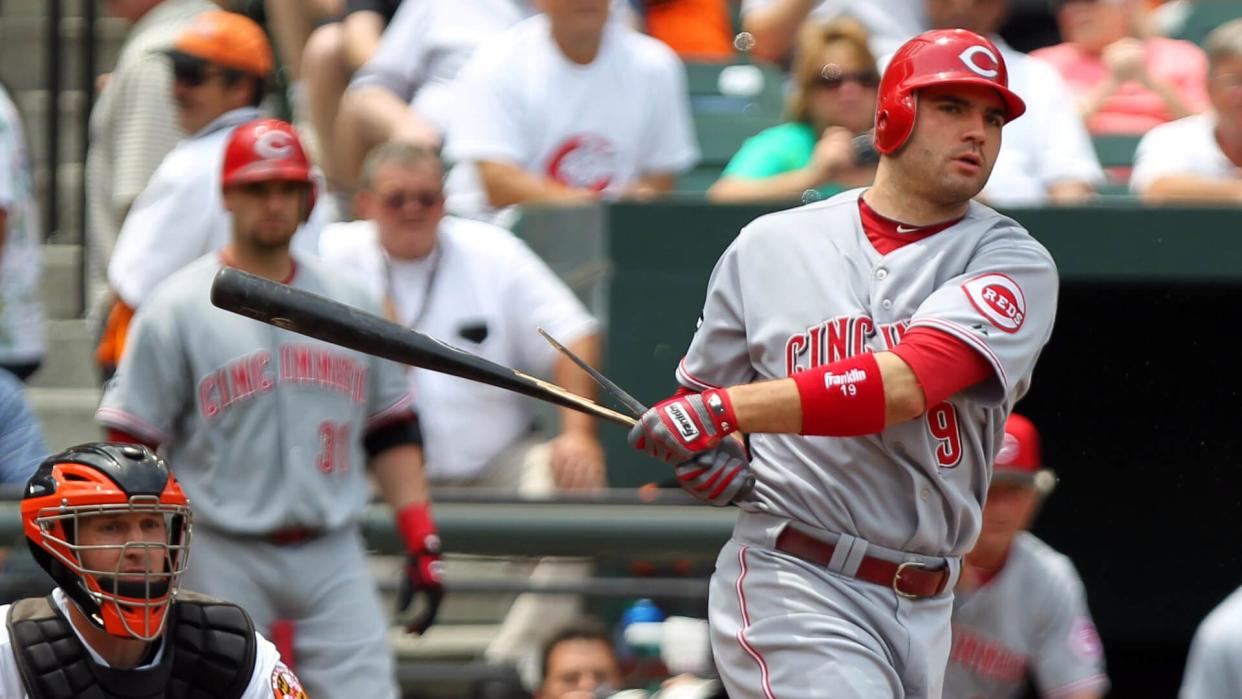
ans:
x=35 y=107
x=67 y=415
x=70 y=358
x=61 y=281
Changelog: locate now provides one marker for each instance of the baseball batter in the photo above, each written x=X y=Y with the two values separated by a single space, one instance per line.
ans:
x=872 y=346
x=1020 y=609
x=272 y=434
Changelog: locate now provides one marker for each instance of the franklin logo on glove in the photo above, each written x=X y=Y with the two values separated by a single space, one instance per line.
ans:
x=684 y=424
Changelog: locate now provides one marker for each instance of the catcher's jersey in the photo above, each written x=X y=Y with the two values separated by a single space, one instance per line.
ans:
x=262 y=426
x=804 y=287
x=1031 y=619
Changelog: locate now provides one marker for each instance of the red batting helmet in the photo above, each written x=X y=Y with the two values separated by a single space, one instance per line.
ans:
x=266 y=149
x=109 y=480
x=1019 y=458
x=937 y=57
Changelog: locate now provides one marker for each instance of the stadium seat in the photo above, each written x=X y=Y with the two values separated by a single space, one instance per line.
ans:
x=1205 y=15
x=1116 y=155
x=741 y=87
x=720 y=135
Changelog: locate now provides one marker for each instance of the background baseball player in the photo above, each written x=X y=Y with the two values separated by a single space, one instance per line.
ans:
x=1019 y=609
x=272 y=434
x=111 y=526
x=478 y=287
x=1214 y=666
x=872 y=346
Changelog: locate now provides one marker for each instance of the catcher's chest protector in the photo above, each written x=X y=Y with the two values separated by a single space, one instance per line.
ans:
x=210 y=653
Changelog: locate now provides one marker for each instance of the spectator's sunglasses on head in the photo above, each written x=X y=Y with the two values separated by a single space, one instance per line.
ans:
x=396 y=201
x=832 y=78
x=192 y=72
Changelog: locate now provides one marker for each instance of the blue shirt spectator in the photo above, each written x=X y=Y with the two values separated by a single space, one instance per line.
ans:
x=21 y=438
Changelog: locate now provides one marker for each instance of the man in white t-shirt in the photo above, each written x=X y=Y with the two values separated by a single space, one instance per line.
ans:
x=774 y=24
x=1197 y=158
x=476 y=286
x=1047 y=157
x=568 y=107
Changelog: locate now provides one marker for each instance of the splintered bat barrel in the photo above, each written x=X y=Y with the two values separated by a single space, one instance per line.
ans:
x=309 y=314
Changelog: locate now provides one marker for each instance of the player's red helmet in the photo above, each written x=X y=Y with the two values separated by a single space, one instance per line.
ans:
x=266 y=149
x=937 y=57
x=1019 y=458
x=98 y=480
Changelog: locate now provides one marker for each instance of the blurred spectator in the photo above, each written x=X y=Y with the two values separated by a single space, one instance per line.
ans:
x=1046 y=157
x=1019 y=608
x=21 y=438
x=568 y=107
x=333 y=53
x=221 y=65
x=21 y=309
x=698 y=30
x=774 y=24
x=1214 y=665
x=477 y=286
x=1197 y=158
x=290 y=23
x=133 y=124
x=1125 y=83
x=579 y=662
x=833 y=101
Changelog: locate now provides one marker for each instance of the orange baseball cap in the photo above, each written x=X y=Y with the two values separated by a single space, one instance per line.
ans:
x=227 y=39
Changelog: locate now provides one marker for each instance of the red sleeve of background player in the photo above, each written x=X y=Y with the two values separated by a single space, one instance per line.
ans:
x=943 y=364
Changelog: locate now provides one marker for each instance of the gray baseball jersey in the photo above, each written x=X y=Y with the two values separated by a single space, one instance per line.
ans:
x=805 y=287
x=1214 y=666
x=263 y=426
x=1031 y=619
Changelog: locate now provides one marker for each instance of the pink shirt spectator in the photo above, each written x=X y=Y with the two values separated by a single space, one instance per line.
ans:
x=1133 y=109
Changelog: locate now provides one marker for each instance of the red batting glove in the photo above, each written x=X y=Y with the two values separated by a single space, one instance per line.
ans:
x=677 y=428
x=422 y=566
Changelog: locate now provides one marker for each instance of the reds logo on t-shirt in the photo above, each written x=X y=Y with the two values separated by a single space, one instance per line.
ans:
x=586 y=161
x=999 y=299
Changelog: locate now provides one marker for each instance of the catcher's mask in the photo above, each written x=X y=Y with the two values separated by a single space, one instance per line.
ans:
x=134 y=497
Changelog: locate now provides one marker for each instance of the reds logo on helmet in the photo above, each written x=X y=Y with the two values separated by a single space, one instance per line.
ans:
x=998 y=298
x=274 y=145
x=969 y=58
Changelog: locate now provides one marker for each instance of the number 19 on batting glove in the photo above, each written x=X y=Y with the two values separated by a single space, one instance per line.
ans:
x=422 y=572
x=676 y=429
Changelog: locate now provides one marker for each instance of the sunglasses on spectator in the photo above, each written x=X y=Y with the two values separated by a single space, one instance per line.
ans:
x=397 y=200
x=192 y=73
x=834 y=80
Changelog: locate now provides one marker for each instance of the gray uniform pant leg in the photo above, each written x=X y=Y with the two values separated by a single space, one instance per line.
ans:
x=324 y=586
x=783 y=628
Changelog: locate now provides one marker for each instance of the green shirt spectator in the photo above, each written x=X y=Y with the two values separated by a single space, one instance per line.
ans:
x=822 y=147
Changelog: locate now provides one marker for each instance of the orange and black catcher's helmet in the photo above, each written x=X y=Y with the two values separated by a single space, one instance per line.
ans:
x=104 y=479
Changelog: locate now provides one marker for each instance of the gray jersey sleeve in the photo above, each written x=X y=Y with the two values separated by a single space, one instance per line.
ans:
x=1068 y=655
x=718 y=354
x=1214 y=666
x=148 y=394
x=1003 y=306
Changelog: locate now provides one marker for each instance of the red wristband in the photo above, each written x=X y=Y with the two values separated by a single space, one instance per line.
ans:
x=417 y=528
x=842 y=399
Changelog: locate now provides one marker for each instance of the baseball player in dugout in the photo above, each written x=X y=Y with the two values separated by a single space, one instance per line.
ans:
x=111 y=526
x=871 y=347
x=1020 y=609
x=272 y=435
x=221 y=64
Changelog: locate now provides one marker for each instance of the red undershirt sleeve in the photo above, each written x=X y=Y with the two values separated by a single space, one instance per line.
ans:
x=943 y=364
